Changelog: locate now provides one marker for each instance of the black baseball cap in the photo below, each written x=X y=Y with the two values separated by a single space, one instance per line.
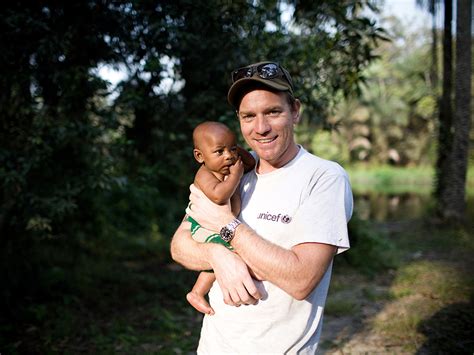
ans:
x=267 y=74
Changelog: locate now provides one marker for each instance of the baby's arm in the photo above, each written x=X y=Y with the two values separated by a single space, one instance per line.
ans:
x=219 y=191
x=235 y=203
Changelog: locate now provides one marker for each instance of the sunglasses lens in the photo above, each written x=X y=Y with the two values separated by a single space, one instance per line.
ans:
x=268 y=71
x=264 y=71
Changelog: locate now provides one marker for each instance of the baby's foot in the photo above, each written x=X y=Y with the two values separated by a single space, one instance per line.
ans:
x=200 y=303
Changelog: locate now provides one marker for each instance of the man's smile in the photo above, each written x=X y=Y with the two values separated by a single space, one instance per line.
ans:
x=266 y=140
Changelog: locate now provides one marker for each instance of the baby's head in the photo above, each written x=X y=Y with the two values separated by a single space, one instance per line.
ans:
x=215 y=146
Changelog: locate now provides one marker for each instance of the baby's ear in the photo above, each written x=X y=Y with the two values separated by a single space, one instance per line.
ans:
x=198 y=156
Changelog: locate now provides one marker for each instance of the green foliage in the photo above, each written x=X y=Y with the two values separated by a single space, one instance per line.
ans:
x=391 y=179
x=52 y=157
x=371 y=251
x=392 y=121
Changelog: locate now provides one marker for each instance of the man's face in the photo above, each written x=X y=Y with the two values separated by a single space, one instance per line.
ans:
x=218 y=151
x=266 y=121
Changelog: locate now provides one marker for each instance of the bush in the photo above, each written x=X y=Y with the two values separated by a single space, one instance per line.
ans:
x=371 y=251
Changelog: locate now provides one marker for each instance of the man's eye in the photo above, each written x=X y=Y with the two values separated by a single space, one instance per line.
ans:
x=246 y=118
x=274 y=113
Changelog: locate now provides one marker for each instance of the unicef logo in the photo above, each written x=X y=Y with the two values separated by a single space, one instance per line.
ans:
x=274 y=217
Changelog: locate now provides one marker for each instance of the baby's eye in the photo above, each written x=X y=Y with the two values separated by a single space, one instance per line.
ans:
x=219 y=151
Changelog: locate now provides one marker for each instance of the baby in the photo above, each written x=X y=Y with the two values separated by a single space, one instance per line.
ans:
x=216 y=149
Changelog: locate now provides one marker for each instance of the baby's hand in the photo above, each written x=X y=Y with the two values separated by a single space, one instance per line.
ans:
x=237 y=168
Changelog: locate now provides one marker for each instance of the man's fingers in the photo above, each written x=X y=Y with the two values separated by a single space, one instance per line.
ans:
x=236 y=300
x=245 y=297
x=239 y=296
x=231 y=298
x=252 y=290
x=247 y=293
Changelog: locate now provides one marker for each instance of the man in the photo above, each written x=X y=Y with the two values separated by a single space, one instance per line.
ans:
x=295 y=209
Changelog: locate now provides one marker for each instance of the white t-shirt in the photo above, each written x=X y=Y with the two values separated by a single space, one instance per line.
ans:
x=307 y=200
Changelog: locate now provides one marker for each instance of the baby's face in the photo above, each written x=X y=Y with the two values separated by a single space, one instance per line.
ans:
x=219 y=151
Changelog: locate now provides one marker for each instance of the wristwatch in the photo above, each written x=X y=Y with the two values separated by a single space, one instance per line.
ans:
x=227 y=232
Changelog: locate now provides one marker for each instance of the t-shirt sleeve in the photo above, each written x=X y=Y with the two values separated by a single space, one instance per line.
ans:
x=324 y=214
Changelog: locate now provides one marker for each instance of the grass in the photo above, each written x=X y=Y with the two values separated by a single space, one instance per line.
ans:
x=420 y=290
x=423 y=305
x=425 y=286
x=338 y=307
x=118 y=305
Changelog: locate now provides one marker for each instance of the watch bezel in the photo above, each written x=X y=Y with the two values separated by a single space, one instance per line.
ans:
x=228 y=231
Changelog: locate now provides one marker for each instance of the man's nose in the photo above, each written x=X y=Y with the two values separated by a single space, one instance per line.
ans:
x=261 y=125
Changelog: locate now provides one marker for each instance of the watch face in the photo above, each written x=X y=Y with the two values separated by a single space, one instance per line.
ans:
x=226 y=234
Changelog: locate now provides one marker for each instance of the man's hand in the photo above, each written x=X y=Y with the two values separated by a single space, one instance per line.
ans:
x=208 y=214
x=233 y=277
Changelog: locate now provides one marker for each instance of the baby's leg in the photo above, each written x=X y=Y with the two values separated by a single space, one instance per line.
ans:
x=197 y=295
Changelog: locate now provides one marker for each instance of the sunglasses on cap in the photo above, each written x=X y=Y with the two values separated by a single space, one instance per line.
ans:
x=265 y=71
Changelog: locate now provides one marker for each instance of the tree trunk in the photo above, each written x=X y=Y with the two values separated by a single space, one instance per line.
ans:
x=445 y=111
x=453 y=199
x=434 y=48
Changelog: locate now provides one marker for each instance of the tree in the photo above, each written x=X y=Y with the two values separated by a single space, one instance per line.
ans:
x=445 y=108
x=392 y=121
x=432 y=7
x=52 y=158
x=452 y=203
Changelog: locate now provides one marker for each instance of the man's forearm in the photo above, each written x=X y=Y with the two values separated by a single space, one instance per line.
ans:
x=296 y=271
x=187 y=252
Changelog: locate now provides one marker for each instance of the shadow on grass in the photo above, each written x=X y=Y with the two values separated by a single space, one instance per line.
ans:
x=449 y=331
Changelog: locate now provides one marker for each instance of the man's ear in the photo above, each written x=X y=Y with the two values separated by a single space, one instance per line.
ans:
x=198 y=156
x=296 y=111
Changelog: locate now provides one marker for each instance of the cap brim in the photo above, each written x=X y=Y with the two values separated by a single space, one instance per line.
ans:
x=238 y=87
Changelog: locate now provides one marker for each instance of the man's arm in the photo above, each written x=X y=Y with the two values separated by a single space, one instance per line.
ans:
x=186 y=251
x=296 y=271
x=231 y=272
